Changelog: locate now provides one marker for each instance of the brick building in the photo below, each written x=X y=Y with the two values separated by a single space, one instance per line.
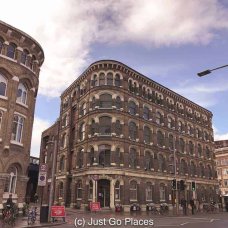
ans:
x=117 y=134
x=221 y=156
x=20 y=60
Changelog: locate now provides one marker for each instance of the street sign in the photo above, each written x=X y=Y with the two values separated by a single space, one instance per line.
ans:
x=95 y=206
x=95 y=177
x=42 y=179
x=58 y=211
x=43 y=167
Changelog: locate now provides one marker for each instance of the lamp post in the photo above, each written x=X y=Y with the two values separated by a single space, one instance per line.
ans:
x=175 y=176
x=206 y=72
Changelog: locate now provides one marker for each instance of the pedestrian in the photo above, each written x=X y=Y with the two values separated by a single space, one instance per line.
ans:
x=192 y=204
x=184 y=206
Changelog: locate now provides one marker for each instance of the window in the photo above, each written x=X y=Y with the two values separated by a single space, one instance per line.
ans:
x=182 y=145
x=61 y=190
x=162 y=192
x=118 y=102
x=1 y=44
x=132 y=131
x=133 y=190
x=10 y=185
x=171 y=142
x=62 y=164
x=110 y=79
x=180 y=126
x=169 y=122
x=31 y=65
x=132 y=158
x=64 y=121
x=193 y=168
x=149 y=190
x=105 y=125
x=11 y=50
x=104 y=155
x=117 y=190
x=90 y=190
x=63 y=140
x=82 y=131
x=130 y=86
x=191 y=147
x=201 y=170
x=161 y=163
x=79 y=190
x=91 y=156
x=95 y=80
x=132 y=108
x=146 y=112
x=159 y=118
x=148 y=161
x=83 y=109
x=24 y=57
x=105 y=101
x=117 y=156
x=102 y=79
x=183 y=167
x=18 y=123
x=93 y=127
x=147 y=134
x=208 y=153
x=117 y=80
x=226 y=182
x=199 y=150
x=21 y=94
x=209 y=170
x=80 y=158
x=93 y=103
x=3 y=84
x=1 y=116
x=118 y=128
x=160 y=139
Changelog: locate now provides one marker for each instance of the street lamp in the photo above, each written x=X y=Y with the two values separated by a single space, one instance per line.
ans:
x=205 y=72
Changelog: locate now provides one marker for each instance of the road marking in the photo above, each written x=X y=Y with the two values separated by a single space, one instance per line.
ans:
x=182 y=224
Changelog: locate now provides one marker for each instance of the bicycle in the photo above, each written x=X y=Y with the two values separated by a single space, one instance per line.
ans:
x=32 y=216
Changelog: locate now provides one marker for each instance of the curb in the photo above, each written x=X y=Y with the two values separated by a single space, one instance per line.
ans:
x=45 y=225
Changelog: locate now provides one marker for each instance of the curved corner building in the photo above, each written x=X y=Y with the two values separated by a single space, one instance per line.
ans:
x=20 y=60
x=118 y=134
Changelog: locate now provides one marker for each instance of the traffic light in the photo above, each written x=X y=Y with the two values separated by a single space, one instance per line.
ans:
x=174 y=184
x=182 y=185
x=193 y=185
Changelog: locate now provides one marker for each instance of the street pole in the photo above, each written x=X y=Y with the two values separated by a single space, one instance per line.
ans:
x=51 y=193
x=175 y=176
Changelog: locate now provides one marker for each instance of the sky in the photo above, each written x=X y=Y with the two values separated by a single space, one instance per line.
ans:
x=169 y=41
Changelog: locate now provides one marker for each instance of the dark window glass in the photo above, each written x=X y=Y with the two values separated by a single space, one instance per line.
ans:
x=133 y=158
x=146 y=112
x=102 y=79
x=110 y=79
x=117 y=80
x=132 y=130
x=105 y=124
x=106 y=101
x=11 y=50
x=160 y=138
x=132 y=108
x=147 y=134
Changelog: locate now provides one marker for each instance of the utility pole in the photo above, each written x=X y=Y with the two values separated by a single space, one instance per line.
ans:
x=175 y=176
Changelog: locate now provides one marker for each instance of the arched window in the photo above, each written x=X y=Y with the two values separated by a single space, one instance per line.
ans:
x=64 y=121
x=83 y=109
x=21 y=94
x=110 y=79
x=199 y=150
x=191 y=147
x=24 y=56
x=18 y=123
x=79 y=190
x=169 y=122
x=82 y=131
x=159 y=118
x=104 y=155
x=118 y=102
x=133 y=158
x=117 y=156
x=180 y=126
x=1 y=116
x=133 y=190
x=149 y=192
x=62 y=164
x=95 y=78
x=130 y=85
x=161 y=163
x=183 y=167
x=132 y=131
x=80 y=158
x=61 y=190
x=1 y=44
x=105 y=101
x=162 y=192
x=63 y=140
x=105 y=125
x=147 y=134
x=148 y=161
x=31 y=65
x=11 y=50
x=182 y=145
x=93 y=103
x=3 y=84
x=160 y=138
x=209 y=171
x=102 y=79
x=10 y=185
x=92 y=156
x=117 y=80
x=144 y=91
x=93 y=127
x=201 y=169
x=146 y=113
x=207 y=152
x=135 y=87
x=117 y=190
x=193 y=168
x=171 y=142
x=132 y=108
x=90 y=190
x=118 y=128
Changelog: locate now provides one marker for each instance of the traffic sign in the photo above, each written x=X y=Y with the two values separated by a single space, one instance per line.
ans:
x=42 y=179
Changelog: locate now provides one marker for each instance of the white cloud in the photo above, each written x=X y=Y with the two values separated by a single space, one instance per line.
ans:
x=38 y=127
x=218 y=135
x=67 y=29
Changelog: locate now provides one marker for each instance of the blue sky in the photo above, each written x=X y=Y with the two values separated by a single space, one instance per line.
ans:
x=166 y=40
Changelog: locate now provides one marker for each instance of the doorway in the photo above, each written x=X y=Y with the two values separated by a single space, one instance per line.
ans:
x=103 y=192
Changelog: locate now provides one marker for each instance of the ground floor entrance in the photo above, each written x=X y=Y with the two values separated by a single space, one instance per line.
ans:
x=103 y=192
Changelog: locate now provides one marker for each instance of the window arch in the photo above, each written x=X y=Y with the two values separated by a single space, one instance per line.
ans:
x=110 y=78
x=160 y=138
x=133 y=190
x=104 y=155
x=133 y=158
x=117 y=80
x=149 y=192
x=106 y=100
x=62 y=164
x=24 y=56
x=3 y=85
x=146 y=113
x=22 y=93
x=18 y=123
x=147 y=134
x=11 y=50
x=105 y=125
x=101 y=79
x=117 y=190
x=82 y=131
x=132 y=108
x=132 y=130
